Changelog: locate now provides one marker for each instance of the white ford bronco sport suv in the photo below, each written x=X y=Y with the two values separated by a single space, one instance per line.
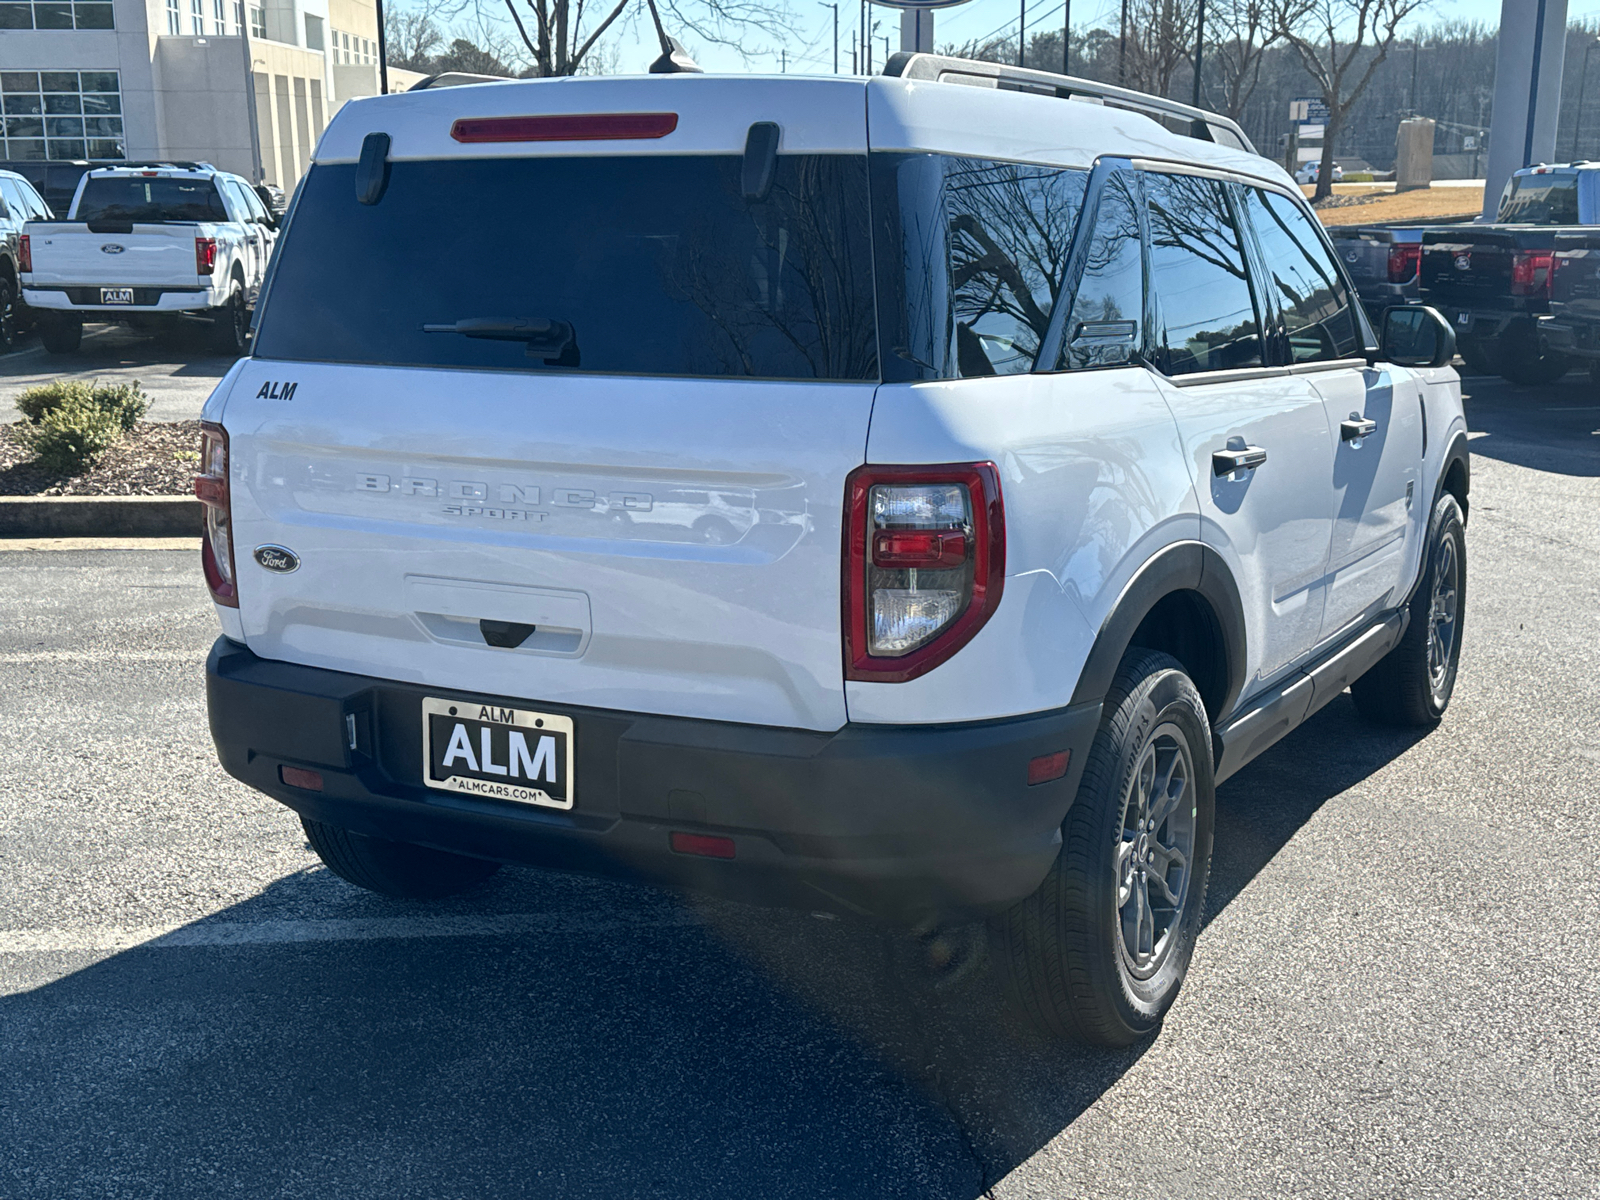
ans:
x=885 y=496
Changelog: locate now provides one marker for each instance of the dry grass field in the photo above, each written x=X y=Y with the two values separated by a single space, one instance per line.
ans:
x=1363 y=204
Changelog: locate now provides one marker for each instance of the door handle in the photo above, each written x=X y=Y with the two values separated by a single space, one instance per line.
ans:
x=1248 y=458
x=1356 y=428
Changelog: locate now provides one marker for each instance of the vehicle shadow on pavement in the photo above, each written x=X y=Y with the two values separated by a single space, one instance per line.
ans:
x=110 y=348
x=1550 y=427
x=621 y=1042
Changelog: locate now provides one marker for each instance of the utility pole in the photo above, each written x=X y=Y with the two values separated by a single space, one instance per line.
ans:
x=1122 y=47
x=1199 y=46
x=783 y=61
x=835 y=8
x=1066 y=37
x=383 y=51
x=1022 y=33
x=1583 y=83
x=1413 y=102
x=861 y=40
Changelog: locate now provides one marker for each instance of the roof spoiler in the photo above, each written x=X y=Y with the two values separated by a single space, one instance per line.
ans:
x=1182 y=119
x=455 y=79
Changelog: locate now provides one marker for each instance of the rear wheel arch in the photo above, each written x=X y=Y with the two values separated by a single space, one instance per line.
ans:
x=1456 y=478
x=1183 y=602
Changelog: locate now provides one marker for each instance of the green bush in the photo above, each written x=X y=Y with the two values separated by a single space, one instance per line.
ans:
x=71 y=423
x=69 y=438
x=125 y=401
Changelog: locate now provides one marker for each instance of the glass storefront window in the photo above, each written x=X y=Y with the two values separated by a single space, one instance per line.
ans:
x=56 y=14
x=61 y=115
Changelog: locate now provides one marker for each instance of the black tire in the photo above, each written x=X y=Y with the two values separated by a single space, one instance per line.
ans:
x=1476 y=357
x=394 y=868
x=1412 y=684
x=60 y=335
x=1064 y=951
x=1522 y=357
x=230 y=324
x=8 y=315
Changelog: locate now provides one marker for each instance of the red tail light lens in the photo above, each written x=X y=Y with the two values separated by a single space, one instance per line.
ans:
x=205 y=255
x=574 y=127
x=1404 y=262
x=924 y=565
x=24 y=254
x=1530 y=272
x=211 y=486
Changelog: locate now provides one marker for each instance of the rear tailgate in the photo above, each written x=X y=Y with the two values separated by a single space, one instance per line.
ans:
x=1465 y=268
x=657 y=489
x=1366 y=256
x=67 y=253
x=1575 y=286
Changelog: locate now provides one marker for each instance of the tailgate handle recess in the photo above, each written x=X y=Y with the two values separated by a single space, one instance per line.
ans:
x=507 y=635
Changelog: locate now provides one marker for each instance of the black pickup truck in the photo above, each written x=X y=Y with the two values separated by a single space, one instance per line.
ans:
x=1495 y=281
x=1573 y=327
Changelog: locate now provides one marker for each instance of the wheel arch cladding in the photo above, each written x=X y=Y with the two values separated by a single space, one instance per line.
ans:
x=1183 y=601
x=1457 y=476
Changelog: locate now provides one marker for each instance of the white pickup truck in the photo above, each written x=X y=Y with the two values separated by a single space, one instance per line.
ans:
x=150 y=245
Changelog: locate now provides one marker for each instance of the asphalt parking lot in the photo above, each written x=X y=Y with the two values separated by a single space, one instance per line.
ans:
x=1395 y=995
x=177 y=369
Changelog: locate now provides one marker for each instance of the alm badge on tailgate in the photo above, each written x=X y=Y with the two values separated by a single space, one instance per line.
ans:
x=497 y=752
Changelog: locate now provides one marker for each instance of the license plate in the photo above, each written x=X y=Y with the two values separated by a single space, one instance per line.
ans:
x=1464 y=319
x=116 y=295
x=502 y=753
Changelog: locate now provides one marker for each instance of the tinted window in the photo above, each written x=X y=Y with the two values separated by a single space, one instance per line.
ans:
x=1198 y=273
x=657 y=264
x=1108 y=305
x=1540 y=200
x=11 y=204
x=1312 y=297
x=35 y=202
x=970 y=256
x=134 y=198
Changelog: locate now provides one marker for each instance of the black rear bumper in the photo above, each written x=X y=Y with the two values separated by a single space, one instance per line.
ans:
x=904 y=823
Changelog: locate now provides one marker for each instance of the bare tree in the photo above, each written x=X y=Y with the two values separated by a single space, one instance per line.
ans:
x=1341 y=43
x=561 y=35
x=1244 y=33
x=1160 y=42
x=412 y=35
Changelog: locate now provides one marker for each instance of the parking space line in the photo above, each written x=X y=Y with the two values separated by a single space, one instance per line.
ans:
x=113 y=938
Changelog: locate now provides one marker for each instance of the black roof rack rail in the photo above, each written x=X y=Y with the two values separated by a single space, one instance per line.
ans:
x=167 y=164
x=1182 y=119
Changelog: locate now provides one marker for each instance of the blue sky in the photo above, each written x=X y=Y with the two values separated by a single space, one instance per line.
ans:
x=809 y=44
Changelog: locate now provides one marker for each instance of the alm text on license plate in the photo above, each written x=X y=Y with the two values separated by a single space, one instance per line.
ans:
x=481 y=749
x=116 y=295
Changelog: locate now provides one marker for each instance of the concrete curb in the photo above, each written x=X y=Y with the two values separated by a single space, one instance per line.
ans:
x=99 y=516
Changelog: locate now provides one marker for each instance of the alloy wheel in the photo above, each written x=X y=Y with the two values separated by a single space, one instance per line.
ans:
x=1155 y=854
x=1443 y=610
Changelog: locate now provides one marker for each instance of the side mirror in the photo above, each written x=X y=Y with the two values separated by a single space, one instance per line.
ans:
x=1414 y=335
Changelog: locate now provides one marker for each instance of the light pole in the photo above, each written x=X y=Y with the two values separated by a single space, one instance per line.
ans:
x=1199 y=45
x=1066 y=37
x=835 y=8
x=1022 y=33
x=383 y=53
x=1122 y=47
x=1583 y=81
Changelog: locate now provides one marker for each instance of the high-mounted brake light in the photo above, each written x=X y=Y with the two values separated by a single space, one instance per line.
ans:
x=211 y=488
x=573 y=127
x=1404 y=262
x=924 y=564
x=1530 y=272
x=205 y=255
x=24 y=254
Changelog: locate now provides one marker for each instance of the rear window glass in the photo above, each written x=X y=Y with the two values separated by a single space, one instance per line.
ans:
x=1540 y=200
x=150 y=201
x=655 y=264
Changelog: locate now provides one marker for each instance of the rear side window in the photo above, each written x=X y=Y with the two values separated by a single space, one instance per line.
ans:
x=1103 y=329
x=656 y=264
x=150 y=201
x=1311 y=295
x=1540 y=200
x=970 y=255
x=1197 y=271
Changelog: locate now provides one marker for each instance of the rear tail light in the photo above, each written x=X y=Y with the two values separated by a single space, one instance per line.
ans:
x=1404 y=262
x=1530 y=273
x=211 y=486
x=299 y=777
x=573 y=127
x=24 y=254
x=705 y=845
x=205 y=255
x=924 y=565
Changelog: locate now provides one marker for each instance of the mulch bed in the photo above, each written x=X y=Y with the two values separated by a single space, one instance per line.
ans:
x=1337 y=201
x=145 y=462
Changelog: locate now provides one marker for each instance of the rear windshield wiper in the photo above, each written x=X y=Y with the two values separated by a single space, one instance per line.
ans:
x=546 y=338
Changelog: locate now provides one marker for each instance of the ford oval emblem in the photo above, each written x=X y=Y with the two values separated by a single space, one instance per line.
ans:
x=1351 y=256
x=278 y=558
x=112 y=248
